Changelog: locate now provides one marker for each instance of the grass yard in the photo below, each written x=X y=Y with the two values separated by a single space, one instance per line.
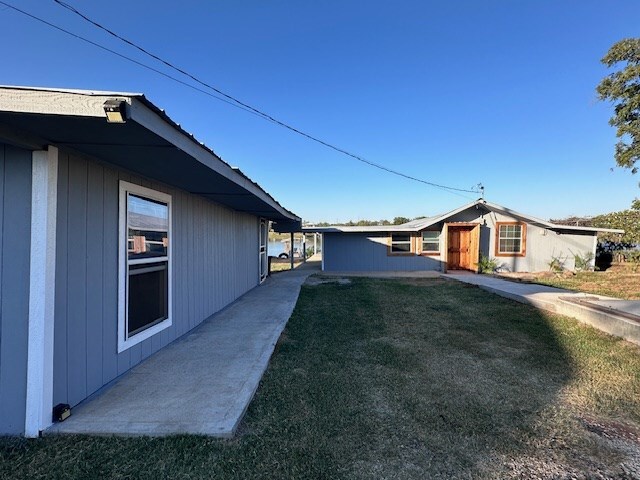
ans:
x=422 y=379
x=281 y=265
x=617 y=282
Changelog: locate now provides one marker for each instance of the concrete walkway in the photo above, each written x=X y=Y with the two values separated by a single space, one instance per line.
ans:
x=203 y=382
x=611 y=315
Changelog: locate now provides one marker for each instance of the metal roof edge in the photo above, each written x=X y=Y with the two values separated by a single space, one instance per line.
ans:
x=233 y=171
x=357 y=229
x=414 y=227
x=547 y=224
x=136 y=115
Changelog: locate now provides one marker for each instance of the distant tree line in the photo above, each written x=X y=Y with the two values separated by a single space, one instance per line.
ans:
x=368 y=223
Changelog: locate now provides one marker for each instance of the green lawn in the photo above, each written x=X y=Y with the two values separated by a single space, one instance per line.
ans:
x=401 y=379
x=616 y=282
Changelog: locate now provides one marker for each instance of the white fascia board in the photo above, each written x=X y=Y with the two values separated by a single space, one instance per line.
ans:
x=49 y=102
x=39 y=398
x=75 y=91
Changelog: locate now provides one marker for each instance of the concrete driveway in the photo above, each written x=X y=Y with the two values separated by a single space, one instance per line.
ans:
x=203 y=382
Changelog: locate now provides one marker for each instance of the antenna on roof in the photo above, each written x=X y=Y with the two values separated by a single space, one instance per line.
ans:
x=481 y=189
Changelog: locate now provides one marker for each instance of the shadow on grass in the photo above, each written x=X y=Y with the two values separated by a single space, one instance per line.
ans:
x=394 y=379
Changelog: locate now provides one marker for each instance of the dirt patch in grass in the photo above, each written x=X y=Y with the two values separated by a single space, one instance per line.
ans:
x=401 y=379
x=315 y=280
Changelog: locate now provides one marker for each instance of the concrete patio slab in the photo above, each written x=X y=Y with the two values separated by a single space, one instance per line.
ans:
x=611 y=315
x=203 y=382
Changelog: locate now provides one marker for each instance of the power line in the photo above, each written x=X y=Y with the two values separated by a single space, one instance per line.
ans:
x=125 y=57
x=265 y=115
x=229 y=99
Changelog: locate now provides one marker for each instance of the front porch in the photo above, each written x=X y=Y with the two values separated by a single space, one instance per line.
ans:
x=204 y=381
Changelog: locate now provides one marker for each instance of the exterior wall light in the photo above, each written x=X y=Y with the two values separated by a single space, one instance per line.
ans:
x=116 y=111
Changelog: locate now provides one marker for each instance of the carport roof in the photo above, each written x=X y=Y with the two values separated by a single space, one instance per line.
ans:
x=149 y=143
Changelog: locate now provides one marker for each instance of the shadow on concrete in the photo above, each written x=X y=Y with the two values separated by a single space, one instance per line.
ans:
x=203 y=382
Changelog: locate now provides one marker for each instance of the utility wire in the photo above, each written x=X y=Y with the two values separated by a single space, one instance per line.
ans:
x=125 y=57
x=265 y=115
x=229 y=99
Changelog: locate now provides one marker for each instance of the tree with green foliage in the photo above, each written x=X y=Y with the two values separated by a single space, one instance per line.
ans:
x=400 y=220
x=622 y=88
x=627 y=220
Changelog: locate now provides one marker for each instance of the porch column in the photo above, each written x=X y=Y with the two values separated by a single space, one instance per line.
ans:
x=304 y=247
x=44 y=191
x=291 y=252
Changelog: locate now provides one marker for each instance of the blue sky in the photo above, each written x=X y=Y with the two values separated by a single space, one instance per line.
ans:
x=456 y=92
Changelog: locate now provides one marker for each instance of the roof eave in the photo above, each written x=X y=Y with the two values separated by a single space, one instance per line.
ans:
x=86 y=103
x=147 y=114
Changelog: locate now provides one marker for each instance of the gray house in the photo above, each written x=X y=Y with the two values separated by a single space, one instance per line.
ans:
x=119 y=233
x=455 y=241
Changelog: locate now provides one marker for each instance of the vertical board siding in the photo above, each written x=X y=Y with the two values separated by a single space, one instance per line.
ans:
x=109 y=230
x=60 y=307
x=94 y=269
x=368 y=252
x=541 y=244
x=15 y=249
x=215 y=260
x=77 y=281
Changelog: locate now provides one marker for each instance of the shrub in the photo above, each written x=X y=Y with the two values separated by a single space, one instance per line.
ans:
x=487 y=264
x=583 y=262
x=631 y=256
x=556 y=264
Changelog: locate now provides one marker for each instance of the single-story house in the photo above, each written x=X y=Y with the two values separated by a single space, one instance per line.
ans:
x=120 y=232
x=455 y=241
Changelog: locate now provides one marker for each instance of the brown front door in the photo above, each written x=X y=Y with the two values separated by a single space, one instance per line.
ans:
x=459 y=255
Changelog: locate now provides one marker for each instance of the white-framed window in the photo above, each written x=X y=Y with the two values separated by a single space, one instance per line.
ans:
x=263 y=258
x=400 y=243
x=511 y=239
x=144 y=281
x=431 y=242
